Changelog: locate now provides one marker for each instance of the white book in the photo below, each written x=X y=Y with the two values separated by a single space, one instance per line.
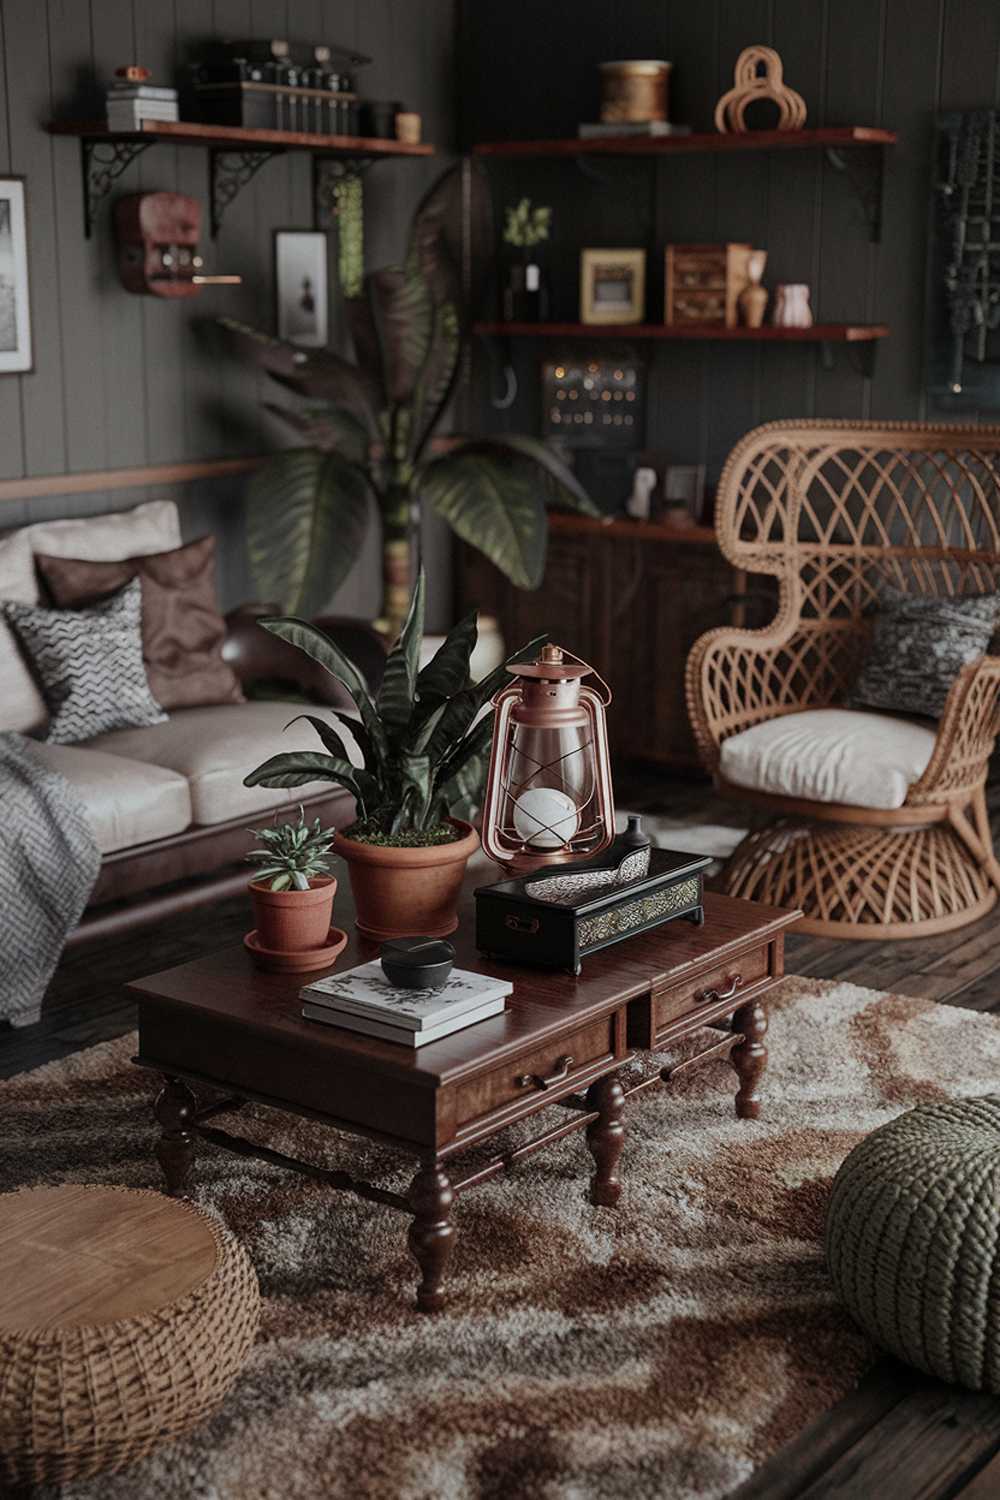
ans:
x=140 y=91
x=129 y=116
x=401 y=1034
x=365 y=991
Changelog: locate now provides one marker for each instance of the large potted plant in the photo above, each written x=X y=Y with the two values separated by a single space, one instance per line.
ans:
x=424 y=741
x=368 y=426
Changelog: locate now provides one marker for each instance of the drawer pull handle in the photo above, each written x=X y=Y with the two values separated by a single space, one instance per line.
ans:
x=562 y=1067
x=709 y=997
x=529 y=925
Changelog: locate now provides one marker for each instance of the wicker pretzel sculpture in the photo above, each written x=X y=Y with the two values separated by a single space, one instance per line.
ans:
x=759 y=75
x=832 y=511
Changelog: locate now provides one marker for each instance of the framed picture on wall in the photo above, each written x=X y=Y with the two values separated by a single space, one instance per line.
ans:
x=15 y=303
x=612 y=286
x=300 y=282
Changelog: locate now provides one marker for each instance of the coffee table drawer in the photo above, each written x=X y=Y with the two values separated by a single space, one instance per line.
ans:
x=549 y=1071
x=731 y=980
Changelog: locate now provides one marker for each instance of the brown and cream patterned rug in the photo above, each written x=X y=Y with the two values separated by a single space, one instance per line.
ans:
x=663 y=1349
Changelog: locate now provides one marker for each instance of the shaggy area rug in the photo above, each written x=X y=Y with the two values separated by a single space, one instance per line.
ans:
x=663 y=1349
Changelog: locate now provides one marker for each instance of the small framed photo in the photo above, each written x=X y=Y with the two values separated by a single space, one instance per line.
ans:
x=15 y=301
x=684 y=484
x=612 y=286
x=300 y=282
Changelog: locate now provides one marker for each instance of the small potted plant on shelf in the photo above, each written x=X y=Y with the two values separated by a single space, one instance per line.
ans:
x=526 y=296
x=425 y=743
x=293 y=891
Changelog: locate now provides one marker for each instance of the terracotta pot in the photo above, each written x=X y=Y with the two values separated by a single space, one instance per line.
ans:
x=292 y=921
x=407 y=892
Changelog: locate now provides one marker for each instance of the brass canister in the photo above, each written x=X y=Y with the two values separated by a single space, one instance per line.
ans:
x=634 y=92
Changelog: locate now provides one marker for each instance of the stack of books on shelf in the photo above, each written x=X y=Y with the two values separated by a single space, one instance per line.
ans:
x=131 y=103
x=364 y=1000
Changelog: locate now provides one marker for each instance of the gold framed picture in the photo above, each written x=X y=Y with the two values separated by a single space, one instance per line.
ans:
x=612 y=286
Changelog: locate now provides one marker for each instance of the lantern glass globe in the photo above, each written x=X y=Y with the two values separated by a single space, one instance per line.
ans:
x=545 y=818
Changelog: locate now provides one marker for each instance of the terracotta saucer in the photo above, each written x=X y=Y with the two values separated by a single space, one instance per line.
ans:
x=297 y=963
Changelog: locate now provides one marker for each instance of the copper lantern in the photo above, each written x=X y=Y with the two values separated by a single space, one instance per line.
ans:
x=548 y=790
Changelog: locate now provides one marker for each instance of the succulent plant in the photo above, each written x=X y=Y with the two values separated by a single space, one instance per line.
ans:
x=293 y=853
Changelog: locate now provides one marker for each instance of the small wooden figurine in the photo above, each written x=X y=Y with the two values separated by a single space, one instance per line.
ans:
x=758 y=75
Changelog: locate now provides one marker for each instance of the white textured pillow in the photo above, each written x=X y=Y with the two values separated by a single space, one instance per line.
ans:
x=153 y=527
x=22 y=706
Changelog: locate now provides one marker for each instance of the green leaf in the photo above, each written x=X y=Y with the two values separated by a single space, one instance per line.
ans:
x=561 y=488
x=322 y=375
x=399 y=680
x=326 y=428
x=415 y=775
x=315 y=643
x=464 y=786
x=448 y=669
x=307 y=513
x=297 y=767
x=327 y=733
x=492 y=497
x=476 y=742
x=422 y=730
x=464 y=706
x=404 y=317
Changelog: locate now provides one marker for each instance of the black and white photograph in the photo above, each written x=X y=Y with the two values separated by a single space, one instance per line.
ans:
x=300 y=280
x=15 y=312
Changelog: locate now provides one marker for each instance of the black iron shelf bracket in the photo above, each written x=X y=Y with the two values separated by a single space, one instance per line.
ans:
x=103 y=163
x=864 y=168
x=229 y=172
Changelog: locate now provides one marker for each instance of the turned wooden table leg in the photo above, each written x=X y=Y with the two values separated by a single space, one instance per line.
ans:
x=175 y=1107
x=605 y=1139
x=749 y=1057
x=431 y=1235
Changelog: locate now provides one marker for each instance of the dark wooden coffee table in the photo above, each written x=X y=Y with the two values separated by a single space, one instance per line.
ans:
x=221 y=1023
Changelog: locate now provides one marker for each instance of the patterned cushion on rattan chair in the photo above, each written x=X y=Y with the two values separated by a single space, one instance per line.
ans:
x=913 y=1239
x=124 y=1319
x=830 y=755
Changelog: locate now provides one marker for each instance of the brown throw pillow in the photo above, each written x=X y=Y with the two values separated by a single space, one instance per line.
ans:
x=182 y=629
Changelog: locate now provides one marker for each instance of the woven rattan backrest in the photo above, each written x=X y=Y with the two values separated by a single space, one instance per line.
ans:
x=837 y=510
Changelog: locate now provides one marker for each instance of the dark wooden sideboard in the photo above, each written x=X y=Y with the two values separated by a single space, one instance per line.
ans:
x=631 y=598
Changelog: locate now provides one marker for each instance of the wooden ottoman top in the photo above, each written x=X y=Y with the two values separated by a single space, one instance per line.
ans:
x=75 y=1255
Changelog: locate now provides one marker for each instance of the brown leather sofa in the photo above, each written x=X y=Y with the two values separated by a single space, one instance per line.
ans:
x=210 y=750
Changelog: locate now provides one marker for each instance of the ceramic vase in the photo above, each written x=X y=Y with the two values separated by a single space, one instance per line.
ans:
x=791 y=306
x=753 y=298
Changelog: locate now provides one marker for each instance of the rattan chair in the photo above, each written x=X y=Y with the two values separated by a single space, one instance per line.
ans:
x=833 y=511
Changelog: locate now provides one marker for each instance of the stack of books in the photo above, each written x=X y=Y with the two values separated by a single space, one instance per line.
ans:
x=130 y=103
x=364 y=1000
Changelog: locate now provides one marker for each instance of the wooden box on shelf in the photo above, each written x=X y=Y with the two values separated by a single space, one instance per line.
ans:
x=703 y=283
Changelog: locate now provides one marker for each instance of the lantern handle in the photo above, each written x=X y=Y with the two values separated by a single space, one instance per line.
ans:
x=593 y=672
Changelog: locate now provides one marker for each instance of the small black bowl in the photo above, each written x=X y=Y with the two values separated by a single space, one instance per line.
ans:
x=417 y=963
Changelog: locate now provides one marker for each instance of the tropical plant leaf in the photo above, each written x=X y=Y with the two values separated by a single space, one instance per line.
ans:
x=399 y=680
x=464 y=706
x=421 y=730
x=404 y=317
x=262 y=349
x=307 y=513
x=326 y=428
x=318 y=645
x=562 y=489
x=492 y=497
x=439 y=374
x=458 y=208
x=448 y=669
x=476 y=742
x=462 y=790
x=325 y=376
x=364 y=336
x=297 y=767
x=333 y=742
x=414 y=801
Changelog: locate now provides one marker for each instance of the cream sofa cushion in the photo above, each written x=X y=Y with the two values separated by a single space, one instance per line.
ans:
x=153 y=527
x=22 y=706
x=216 y=747
x=126 y=801
x=831 y=755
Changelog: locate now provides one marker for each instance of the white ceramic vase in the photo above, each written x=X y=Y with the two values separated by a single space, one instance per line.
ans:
x=791 y=306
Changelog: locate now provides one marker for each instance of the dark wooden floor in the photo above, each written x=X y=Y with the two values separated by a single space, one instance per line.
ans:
x=899 y=1434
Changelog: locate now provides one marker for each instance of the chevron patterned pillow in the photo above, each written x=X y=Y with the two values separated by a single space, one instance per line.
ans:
x=89 y=665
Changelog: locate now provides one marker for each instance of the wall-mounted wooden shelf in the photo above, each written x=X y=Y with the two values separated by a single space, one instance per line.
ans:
x=236 y=154
x=857 y=151
x=823 y=335
x=828 y=137
x=819 y=333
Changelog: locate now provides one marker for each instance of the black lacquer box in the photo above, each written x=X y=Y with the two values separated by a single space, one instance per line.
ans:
x=555 y=917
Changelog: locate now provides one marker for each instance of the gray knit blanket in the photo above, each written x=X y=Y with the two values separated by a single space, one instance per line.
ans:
x=49 y=862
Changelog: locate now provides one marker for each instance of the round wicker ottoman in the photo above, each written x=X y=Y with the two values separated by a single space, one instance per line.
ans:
x=124 y=1318
x=913 y=1239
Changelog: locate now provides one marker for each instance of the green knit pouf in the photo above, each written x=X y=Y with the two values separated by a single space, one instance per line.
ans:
x=913 y=1239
